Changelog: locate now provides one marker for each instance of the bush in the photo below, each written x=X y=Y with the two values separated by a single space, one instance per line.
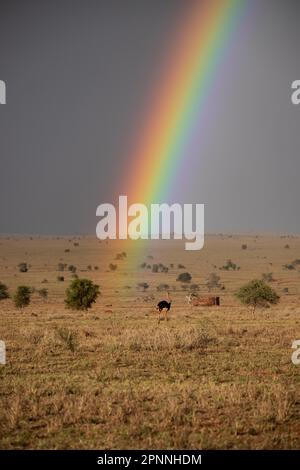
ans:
x=23 y=268
x=292 y=265
x=268 y=277
x=43 y=293
x=244 y=246
x=61 y=266
x=181 y=266
x=3 y=291
x=289 y=266
x=72 y=268
x=120 y=256
x=230 y=265
x=163 y=287
x=159 y=268
x=81 y=294
x=60 y=278
x=155 y=268
x=194 y=287
x=113 y=267
x=22 y=296
x=143 y=285
x=257 y=293
x=213 y=281
x=184 y=277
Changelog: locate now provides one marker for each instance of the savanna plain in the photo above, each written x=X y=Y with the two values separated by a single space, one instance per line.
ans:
x=113 y=377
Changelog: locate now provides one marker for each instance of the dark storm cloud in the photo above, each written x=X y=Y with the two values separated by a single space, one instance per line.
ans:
x=78 y=74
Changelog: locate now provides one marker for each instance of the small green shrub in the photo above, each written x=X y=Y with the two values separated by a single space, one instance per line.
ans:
x=143 y=286
x=163 y=287
x=268 y=277
x=23 y=267
x=155 y=268
x=184 y=277
x=229 y=265
x=194 y=287
x=43 y=293
x=3 y=291
x=72 y=268
x=213 y=281
x=289 y=266
x=22 y=296
x=120 y=256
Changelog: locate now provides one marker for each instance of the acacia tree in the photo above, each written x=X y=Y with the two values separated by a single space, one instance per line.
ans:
x=257 y=293
x=81 y=294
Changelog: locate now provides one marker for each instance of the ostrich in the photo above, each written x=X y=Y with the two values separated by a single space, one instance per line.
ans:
x=164 y=305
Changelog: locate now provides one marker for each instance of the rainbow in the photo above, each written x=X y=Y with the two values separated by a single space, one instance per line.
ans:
x=179 y=96
x=178 y=101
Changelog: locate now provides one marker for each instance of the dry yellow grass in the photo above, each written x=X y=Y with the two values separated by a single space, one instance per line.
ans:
x=114 y=378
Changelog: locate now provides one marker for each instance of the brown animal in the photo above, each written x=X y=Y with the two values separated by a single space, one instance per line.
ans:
x=204 y=301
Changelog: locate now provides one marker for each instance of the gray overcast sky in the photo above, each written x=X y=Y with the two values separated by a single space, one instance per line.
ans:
x=78 y=74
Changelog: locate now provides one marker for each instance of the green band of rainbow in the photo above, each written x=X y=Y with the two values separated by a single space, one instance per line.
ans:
x=180 y=95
